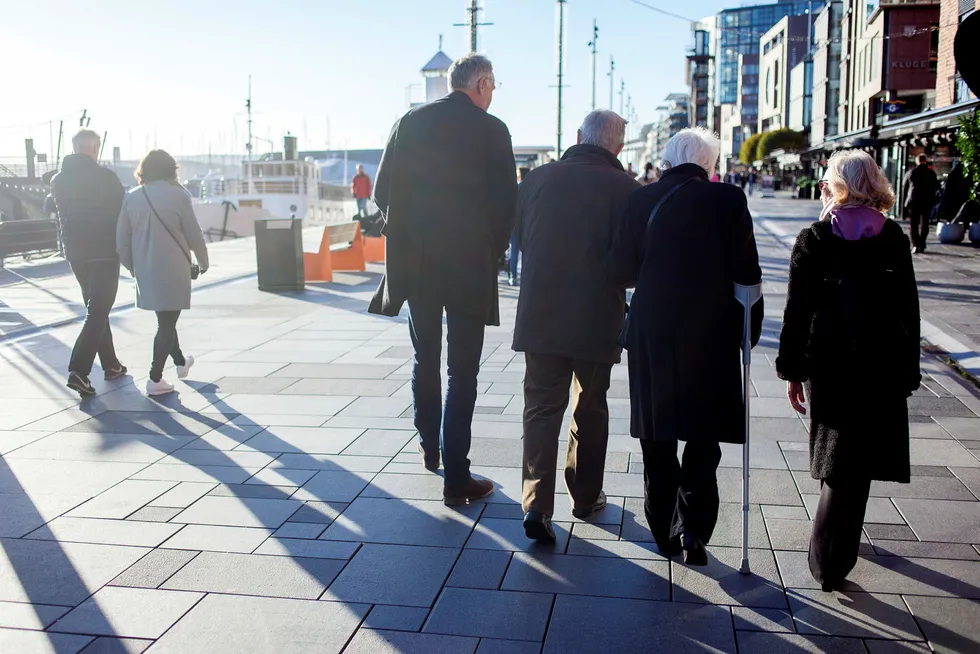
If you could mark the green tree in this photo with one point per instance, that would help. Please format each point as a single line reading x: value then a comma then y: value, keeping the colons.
x: 747, y: 153
x: 785, y: 139
x: 968, y: 143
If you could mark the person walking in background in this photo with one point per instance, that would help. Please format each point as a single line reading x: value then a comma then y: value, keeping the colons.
x: 447, y: 189
x: 752, y: 178
x: 569, y: 315
x: 851, y: 292
x: 684, y: 243
x: 157, y: 232
x: 650, y: 174
x: 87, y: 198
x: 922, y: 185
x: 630, y: 171
x: 360, y: 188
x: 514, y: 254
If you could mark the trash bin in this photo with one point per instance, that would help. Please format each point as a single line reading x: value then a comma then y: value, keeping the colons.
x: 279, y: 254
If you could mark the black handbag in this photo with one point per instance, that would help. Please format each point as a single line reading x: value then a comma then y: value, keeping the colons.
x: 195, y: 269
x: 624, y: 332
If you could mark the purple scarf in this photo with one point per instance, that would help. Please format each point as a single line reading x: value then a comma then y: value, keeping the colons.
x: 856, y: 223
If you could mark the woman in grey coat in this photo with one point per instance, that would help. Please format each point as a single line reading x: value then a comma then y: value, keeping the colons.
x: 157, y: 231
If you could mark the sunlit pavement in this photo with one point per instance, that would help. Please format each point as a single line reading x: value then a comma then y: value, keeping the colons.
x: 277, y: 503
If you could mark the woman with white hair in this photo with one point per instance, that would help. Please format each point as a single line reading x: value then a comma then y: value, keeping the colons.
x: 852, y: 294
x: 683, y: 244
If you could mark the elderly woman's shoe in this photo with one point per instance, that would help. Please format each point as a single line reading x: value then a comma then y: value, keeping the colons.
x: 695, y: 552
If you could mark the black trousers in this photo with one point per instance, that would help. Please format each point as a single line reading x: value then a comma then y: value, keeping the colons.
x: 836, y: 536
x: 680, y: 496
x: 919, y: 225
x: 99, y: 281
x: 165, y: 344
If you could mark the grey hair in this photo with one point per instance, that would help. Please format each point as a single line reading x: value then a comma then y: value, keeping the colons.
x: 692, y: 145
x: 466, y: 72
x: 84, y: 138
x: 603, y: 128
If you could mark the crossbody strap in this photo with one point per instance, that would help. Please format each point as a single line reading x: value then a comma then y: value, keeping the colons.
x: 660, y: 203
x: 182, y: 250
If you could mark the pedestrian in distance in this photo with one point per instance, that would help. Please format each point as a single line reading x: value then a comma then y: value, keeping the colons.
x: 684, y: 244
x: 922, y: 185
x: 360, y: 188
x: 448, y: 191
x: 514, y: 254
x: 852, y: 292
x: 752, y: 178
x: 630, y: 171
x: 157, y: 232
x: 87, y: 199
x: 650, y: 174
x: 569, y: 315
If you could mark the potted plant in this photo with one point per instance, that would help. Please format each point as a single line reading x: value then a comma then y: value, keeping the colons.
x: 803, y: 188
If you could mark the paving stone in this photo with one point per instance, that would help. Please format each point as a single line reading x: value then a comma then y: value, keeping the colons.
x: 768, y: 620
x: 926, y: 550
x: 929, y: 488
x: 37, y: 642
x: 595, y: 532
x: 970, y: 477
x: 853, y: 614
x: 29, y: 616
x: 385, y: 407
x: 81, y: 479
x: 408, y: 487
x: 154, y: 514
x: 244, y: 574
x: 253, y: 490
x: 490, y: 614
x: 939, y: 407
x: 728, y: 529
x: 332, y: 462
x: 327, y: 486
x: 380, y: 442
x: 318, y: 512
x: 239, y: 512
x: 21, y: 513
x: 509, y: 511
x: 149, y: 422
x: 954, y: 522
x: 153, y: 569
x: 765, y: 643
x: 928, y: 430
x: 508, y: 535
x: 598, y: 576
x: 880, y: 510
x: 184, y: 494
x: 11, y: 440
x: 254, y: 385
x: 611, y: 515
x: 376, y: 641
x: 949, y: 624
x: 479, y: 569
x: 196, y: 473
x: 314, y: 549
x: 226, y: 624
x: 208, y: 457
x: 896, y: 647
x: 496, y: 646
x: 321, y: 406
x: 941, y: 453
x: 396, y: 618
x: 105, y: 532
x: 224, y: 438
x: 128, y: 612
x: 408, y: 522
x: 614, y: 548
x: 394, y: 574
x: 789, y: 534
x: 218, y: 539
x: 964, y: 429
x: 299, y: 530
x: 302, y: 440
x: 122, y: 499
x: 720, y: 582
x: 888, y: 532
x: 622, y: 625
x: 635, y: 526
x: 930, y: 471
x: 280, y: 477
x: 765, y: 487
x: 106, y: 645
x: 777, y: 512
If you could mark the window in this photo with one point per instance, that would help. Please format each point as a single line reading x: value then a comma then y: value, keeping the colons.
x: 775, y: 85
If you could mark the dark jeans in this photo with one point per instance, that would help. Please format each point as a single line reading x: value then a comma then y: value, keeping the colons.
x: 836, y: 537
x: 919, y: 226
x: 513, y: 256
x: 465, y: 341
x: 680, y: 496
x: 99, y: 281
x: 546, y: 383
x: 165, y: 344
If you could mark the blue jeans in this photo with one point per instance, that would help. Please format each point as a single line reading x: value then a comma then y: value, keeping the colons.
x: 454, y: 423
x: 361, y: 206
x: 513, y: 256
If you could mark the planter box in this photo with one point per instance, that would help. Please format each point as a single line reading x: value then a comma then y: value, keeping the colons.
x: 950, y: 233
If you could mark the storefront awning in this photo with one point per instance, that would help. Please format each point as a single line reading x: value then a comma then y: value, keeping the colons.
x: 927, y: 121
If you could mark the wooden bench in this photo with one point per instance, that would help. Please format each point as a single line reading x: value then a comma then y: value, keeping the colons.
x: 26, y: 237
x: 341, y: 249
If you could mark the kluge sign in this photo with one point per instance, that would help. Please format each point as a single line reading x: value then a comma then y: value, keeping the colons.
x: 911, y: 56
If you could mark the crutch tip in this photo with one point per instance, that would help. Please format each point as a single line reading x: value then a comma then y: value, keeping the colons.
x: 744, y: 568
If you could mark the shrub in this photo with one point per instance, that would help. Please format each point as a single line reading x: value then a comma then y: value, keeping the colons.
x: 785, y: 139
x: 968, y: 143
x: 747, y: 153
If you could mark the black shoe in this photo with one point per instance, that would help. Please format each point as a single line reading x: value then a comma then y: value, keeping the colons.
x: 537, y: 526
x: 695, y: 553
x: 670, y: 549
x: 116, y: 373
x: 80, y: 384
x: 431, y: 463
x: 830, y: 585
x: 592, y: 509
x: 474, y: 489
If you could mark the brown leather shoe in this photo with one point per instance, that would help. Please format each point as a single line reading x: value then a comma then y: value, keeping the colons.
x: 431, y: 463
x: 474, y: 489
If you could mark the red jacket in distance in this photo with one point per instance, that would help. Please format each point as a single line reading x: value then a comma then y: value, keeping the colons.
x: 360, y: 186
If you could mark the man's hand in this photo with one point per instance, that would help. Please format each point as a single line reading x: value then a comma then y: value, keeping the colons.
x: 794, y: 391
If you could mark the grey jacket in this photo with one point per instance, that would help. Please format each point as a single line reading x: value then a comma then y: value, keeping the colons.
x: 159, y: 262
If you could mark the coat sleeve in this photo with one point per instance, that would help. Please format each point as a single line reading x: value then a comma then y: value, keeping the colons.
x: 192, y: 231
x: 747, y: 270
x: 792, y: 363
x: 910, y: 315
x: 502, y: 178
x: 124, y: 237
x: 626, y: 254
x: 519, y: 219
x: 386, y: 172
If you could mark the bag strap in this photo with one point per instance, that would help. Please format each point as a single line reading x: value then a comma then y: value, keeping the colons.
x: 661, y: 202
x: 182, y: 250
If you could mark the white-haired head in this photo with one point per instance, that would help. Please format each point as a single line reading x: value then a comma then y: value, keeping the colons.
x: 603, y: 128
x: 692, y: 145
x: 473, y: 75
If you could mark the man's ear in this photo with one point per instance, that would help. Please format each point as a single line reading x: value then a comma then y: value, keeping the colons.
x: 619, y: 149
x: 578, y: 138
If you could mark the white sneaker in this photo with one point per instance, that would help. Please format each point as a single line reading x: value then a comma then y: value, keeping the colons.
x: 161, y: 387
x: 184, y: 370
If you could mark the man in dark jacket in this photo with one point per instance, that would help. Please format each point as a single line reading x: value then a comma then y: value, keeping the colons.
x: 922, y: 186
x: 88, y: 199
x: 447, y: 187
x: 569, y: 315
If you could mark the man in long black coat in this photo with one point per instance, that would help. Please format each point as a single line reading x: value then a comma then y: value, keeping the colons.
x: 922, y: 186
x: 447, y: 186
x: 569, y: 315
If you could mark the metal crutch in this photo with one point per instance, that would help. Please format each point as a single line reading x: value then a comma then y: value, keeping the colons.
x: 747, y: 296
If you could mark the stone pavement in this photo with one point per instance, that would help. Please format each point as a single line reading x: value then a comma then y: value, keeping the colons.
x: 277, y: 504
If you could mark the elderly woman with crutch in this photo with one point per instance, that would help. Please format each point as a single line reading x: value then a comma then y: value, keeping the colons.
x: 684, y: 243
x: 850, y: 338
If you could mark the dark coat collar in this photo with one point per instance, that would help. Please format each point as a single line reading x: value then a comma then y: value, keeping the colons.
x: 684, y: 171
x: 593, y: 152
x: 459, y: 96
x: 73, y: 161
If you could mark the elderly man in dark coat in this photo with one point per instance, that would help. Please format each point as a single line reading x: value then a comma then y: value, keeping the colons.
x: 447, y: 186
x: 684, y: 334
x: 569, y: 315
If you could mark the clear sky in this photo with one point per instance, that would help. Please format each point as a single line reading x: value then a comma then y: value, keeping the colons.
x: 174, y: 73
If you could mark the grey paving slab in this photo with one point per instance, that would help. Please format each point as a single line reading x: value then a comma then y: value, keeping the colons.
x: 962, y: 428
x: 318, y: 512
x: 360, y: 387
x: 107, y: 645
x: 766, y: 487
x: 771, y: 511
x: 195, y: 473
x: 497, y: 646
x: 479, y: 569
x: 302, y: 440
x: 126, y: 448
x: 253, y: 385
x: 150, y: 422
x: 105, y: 532
x: 299, y: 530
x: 896, y: 647
x: 376, y: 641
x: 225, y: 437
x: 38, y: 642
x: 21, y: 513
x: 335, y: 371
x: 970, y: 477
x: 128, y: 612
x: 48, y: 477
x: 728, y: 529
x: 331, y: 486
x: 490, y: 614
x: 611, y: 515
x: 926, y: 550
x: 212, y: 457
x: 789, y: 534
x: 404, y: 522
x: 218, y: 539
x: 394, y: 574
x: 949, y: 624
x: 380, y: 442
x: 254, y: 490
x: 930, y: 430
x: 508, y: 535
x: 11, y: 440
x: 239, y: 512
x: 401, y: 486
x: 879, y: 510
x: 768, y: 620
x: 184, y: 494
x: 614, y: 549
x: 595, y: 532
x: 314, y: 549
x: 877, y: 532
x: 941, y: 453
x: 396, y: 618
x: 721, y: 583
x: 939, y: 407
x: 853, y: 614
x: 954, y: 522
x: 766, y: 643
x: 622, y: 625
x: 930, y: 488
x: 284, y: 477
x: 226, y: 624
x: 153, y: 569
x: 579, y: 575
x: 332, y: 462
x: 122, y: 499
x: 16, y: 615
x: 244, y: 574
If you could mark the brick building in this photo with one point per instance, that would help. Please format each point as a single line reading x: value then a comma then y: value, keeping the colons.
x: 950, y: 88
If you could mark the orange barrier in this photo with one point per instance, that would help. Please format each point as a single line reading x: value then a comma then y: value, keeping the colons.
x: 318, y: 264
x: 341, y: 249
x: 351, y: 259
x: 374, y: 249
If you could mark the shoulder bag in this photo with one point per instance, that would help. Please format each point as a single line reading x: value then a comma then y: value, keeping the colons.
x: 195, y: 269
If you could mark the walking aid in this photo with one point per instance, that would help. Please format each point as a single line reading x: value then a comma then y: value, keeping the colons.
x: 747, y: 296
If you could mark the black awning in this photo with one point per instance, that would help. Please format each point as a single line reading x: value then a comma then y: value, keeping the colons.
x: 928, y: 121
